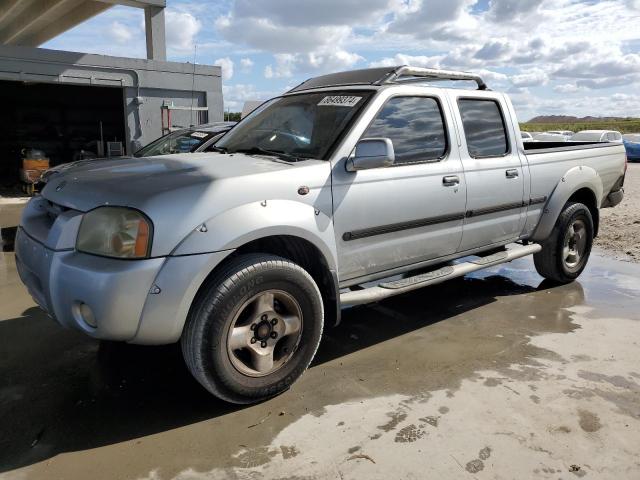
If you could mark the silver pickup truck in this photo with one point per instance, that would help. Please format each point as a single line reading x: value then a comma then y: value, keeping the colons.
x: 348, y: 189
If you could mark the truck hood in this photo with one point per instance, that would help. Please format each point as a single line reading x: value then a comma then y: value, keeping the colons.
x: 132, y: 182
x: 180, y: 192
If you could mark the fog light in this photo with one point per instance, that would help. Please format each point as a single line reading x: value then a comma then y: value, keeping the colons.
x: 83, y: 313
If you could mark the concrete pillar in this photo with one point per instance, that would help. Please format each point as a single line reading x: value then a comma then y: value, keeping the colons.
x: 154, y: 29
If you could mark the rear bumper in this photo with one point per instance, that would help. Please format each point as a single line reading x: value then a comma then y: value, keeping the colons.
x: 614, y: 198
x: 67, y: 284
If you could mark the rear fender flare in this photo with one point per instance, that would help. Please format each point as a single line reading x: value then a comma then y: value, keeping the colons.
x: 573, y: 180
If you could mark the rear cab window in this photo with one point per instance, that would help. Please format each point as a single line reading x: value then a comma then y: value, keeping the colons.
x: 484, y: 127
x: 415, y: 126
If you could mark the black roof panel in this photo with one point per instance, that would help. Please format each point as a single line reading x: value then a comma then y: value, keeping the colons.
x: 367, y: 76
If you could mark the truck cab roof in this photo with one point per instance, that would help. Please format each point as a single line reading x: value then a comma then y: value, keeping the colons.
x: 386, y: 76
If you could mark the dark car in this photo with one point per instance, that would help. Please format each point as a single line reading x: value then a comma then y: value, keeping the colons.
x: 193, y: 139
x: 632, y: 146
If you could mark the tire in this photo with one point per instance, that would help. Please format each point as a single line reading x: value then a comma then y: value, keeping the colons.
x: 554, y: 261
x: 234, y: 301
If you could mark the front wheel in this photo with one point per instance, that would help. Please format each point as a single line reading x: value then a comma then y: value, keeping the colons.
x: 565, y: 253
x: 254, y: 328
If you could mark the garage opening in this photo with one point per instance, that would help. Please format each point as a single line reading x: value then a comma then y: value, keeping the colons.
x: 61, y: 123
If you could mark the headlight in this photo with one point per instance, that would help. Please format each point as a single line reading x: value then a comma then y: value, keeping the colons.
x: 115, y: 232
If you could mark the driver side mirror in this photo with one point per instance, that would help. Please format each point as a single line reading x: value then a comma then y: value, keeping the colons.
x: 371, y: 153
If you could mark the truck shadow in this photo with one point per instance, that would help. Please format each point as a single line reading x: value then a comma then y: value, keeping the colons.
x: 62, y: 392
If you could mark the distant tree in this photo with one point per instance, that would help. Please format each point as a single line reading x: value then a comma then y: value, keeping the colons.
x: 232, y: 116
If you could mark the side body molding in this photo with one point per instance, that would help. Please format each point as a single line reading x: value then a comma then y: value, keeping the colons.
x: 573, y: 180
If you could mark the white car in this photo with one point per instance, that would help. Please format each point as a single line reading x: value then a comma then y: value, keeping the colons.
x: 526, y: 137
x: 549, y: 137
x: 610, y: 136
x: 565, y: 133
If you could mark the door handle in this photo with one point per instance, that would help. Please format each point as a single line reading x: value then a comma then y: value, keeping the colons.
x: 450, y: 181
x: 511, y: 173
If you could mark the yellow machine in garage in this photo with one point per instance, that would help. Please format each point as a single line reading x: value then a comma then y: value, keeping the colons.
x: 34, y: 163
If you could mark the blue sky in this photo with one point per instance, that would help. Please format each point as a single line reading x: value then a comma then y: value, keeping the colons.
x: 552, y: 56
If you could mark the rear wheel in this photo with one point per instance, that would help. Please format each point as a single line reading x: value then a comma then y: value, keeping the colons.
x: 565, y: 253
x: 254, y: 328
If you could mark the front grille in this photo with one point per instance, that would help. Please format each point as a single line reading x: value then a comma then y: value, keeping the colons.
x: 53, y: 210
x: 39, y: 217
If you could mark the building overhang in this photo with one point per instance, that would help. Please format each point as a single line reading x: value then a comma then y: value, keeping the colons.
x: 31, y: 23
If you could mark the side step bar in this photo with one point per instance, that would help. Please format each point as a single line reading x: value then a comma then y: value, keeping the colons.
x: 389, y: 289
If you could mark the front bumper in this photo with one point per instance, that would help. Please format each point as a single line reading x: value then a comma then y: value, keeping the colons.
x: 61, y: 281
x: 116, y: 292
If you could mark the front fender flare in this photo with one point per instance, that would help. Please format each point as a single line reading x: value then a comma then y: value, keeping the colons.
x: 243, y: 224
x: 573, y: 180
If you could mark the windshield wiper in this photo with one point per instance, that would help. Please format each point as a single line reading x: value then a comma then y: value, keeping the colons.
x: 219, y: 149
x: 273, y: 153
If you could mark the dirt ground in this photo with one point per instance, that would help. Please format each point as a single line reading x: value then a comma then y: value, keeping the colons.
x: 517, y: 378
x: 620, y: 226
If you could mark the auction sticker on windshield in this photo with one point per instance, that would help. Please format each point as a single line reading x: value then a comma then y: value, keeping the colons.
x: 339, y: 101
x: 199, y: 134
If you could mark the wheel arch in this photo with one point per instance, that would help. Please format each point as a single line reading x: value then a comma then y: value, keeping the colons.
x: 300, y: 251
x: 587, y: 197
x: 580, y: 184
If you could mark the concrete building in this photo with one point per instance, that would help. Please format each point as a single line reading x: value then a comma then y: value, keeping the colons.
x: 67, y: 104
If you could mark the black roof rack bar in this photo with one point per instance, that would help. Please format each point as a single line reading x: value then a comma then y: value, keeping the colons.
x: 418, y: 74
x: 384, y: 76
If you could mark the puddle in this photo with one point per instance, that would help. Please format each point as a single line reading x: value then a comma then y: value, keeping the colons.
x: 485, y: 360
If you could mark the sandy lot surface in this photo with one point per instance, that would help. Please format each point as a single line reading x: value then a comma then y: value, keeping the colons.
x: 620, y: 226
x: 516, y: 378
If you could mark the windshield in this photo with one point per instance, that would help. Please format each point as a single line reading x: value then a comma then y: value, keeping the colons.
x: 586, y: 137
x: 299, y: 126
x: 632, y: 137
x: 181, y: 141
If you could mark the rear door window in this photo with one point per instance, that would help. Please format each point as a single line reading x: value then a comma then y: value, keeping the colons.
x: 484, y: 127
x: 415, y: 126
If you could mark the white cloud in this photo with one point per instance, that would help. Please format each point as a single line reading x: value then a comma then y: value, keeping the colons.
x: 532, y: 78
x: 493, y: 50
x: 548, y: 54
x: 293, y: 13
x: 424, y: 61
x: 121, y: 33
x: 236, y: 95
x: 283, y: 67
x: 510, y: 10
x: 619, y: 105
x: 181, y: 30
x: 435, y: 20
x: 568, y: 88
x: 264, y: 34
x: 307, y: 39
x: 497, y: 78
x: 246, y: 64
x: 227, y: 67
x: 312, y: 63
